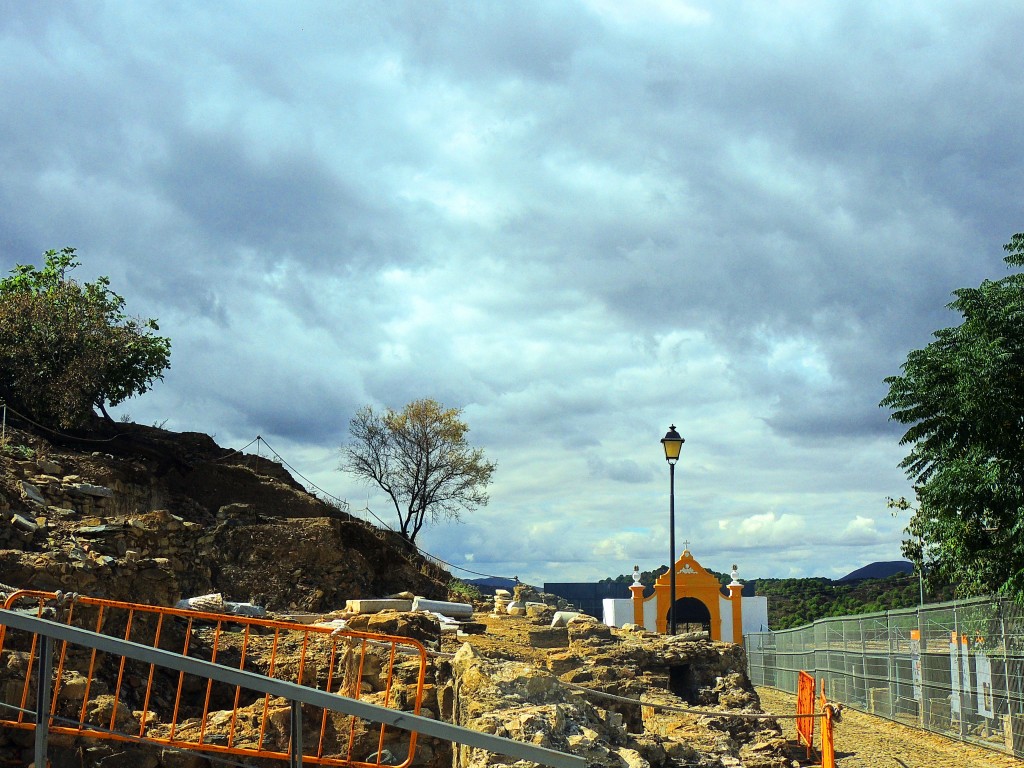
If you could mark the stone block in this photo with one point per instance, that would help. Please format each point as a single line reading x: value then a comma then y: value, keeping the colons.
x: 48, y: 467
x: 540, y: 612
x: 378, y: 605
x: 445, y: 608
x: 549, y: 637
x: 562, y: 618
x: 87, y: 489
x: 32, y: 493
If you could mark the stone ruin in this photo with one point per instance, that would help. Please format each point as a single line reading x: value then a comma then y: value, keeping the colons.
x: 608, y: 695
x: 553, y: 696
x: 187, y: 518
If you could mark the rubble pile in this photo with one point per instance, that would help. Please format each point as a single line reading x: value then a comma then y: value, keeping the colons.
x: 551, y: 693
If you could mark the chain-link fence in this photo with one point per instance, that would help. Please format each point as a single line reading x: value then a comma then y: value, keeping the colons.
x: 955, y: 668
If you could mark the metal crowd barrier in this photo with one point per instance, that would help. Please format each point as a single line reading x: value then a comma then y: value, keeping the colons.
x: 954, y: 668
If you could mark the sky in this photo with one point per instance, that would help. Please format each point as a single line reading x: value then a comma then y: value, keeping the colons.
x: 579, y: 222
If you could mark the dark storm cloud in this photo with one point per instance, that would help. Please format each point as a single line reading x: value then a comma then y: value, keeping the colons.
x: 490, y: 43
x: 287, y: 204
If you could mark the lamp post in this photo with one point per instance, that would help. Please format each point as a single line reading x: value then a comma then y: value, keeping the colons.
x: 673, y: 444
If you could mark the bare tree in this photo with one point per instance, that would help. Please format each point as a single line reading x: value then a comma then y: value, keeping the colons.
x: 420, y: 458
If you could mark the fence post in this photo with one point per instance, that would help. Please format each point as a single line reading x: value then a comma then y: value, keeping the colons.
x: 828, y: 744
x: 43, y: 700
x: 1006, y: 680
x: 956, y: 672
x: 891, y: 670
x: 295, y: 752
x: 921, y: 646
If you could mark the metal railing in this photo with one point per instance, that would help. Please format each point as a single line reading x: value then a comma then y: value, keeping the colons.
x: 30, y: 644
x: 953, y: 668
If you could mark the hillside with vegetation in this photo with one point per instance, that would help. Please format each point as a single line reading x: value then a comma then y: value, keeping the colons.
x: 793, y: 602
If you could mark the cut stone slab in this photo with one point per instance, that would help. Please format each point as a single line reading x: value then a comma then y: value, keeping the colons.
x: 87, y: 489
x: 32, y: 493
x: 562, y: 618
x: 376, y: 606
x: 23, y: 523
x: 90, y: 531
x: 455, y: 610
x: 49, y: 467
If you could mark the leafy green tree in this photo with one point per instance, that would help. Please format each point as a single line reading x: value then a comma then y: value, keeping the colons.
x: 962, y: 397
x: 68, y: 347
x: 420, y: 458
x: 647, y: 578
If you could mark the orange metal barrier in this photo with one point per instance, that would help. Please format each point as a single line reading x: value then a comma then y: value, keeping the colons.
x: 106, y: 696
x: 805, y: 706
x: 805, y: 700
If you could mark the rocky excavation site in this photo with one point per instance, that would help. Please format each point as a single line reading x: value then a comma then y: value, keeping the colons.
x: 142, y: 515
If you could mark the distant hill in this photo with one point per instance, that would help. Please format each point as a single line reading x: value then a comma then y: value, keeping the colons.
x: 880, y: 570
x: 489, y: 584
x: 793, y: 602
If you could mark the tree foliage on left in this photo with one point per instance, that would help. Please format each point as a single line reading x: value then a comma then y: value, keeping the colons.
x: 68, y: 347
x: 420, y: 458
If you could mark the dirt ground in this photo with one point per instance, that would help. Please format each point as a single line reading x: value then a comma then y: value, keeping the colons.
x: 866, y: 741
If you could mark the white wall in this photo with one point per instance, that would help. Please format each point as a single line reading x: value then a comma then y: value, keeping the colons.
x: 617, y: 611
x: 755, y: 614
x: 651, y: 615
x: 725, y: 611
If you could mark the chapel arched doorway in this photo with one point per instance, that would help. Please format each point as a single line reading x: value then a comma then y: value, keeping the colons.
x: 691, y: 616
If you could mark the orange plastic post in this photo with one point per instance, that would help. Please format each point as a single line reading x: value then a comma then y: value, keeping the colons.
x: 828, y: 745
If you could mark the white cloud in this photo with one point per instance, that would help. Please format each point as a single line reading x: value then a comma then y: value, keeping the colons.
x: 769, y: 528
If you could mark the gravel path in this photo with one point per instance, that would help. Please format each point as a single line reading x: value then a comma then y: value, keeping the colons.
x: 866, y: 741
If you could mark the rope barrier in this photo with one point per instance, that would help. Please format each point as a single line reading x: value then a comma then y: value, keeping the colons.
x: 53, y: 431
x: 343, y: 504
x: 367, y: 509
x: 233, y: 452
x: 688, y: 710
x: 661, y: 706
x: 284, y: 462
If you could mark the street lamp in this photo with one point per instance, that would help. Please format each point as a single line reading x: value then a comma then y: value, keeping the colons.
x: 673, y: 444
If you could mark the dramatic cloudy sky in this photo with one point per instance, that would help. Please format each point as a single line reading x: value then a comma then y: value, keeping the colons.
x: 580, y: 222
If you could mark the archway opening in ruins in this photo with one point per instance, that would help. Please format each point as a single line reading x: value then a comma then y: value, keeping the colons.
x: 682, y: 682
x: 691, y: 616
